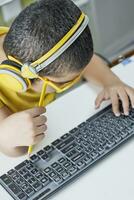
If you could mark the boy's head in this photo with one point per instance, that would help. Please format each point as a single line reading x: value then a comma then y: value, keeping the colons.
x: 39, y: 27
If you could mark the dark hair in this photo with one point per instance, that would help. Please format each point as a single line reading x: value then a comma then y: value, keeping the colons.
x: 39, y: 27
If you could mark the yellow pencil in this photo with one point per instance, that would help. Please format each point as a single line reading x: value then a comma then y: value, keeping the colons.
x: 41, y: 103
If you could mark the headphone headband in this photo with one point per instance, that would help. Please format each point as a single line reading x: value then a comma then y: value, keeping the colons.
x: 31, y: 70
x: 64, y: 47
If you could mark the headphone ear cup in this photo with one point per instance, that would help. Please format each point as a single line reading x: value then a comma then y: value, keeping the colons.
x: 13, y: 80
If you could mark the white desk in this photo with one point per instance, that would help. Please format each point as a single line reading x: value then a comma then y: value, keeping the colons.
x: 112, y: 178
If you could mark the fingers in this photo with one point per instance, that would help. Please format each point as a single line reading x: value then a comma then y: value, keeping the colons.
x: 130, y: 93
x: 34, y: 112
x: 40, y: 120
x: 38, y: 138
x: 125, y: 101
x: 40, y: 129
x: 115, y: 103
x: 99, y: 100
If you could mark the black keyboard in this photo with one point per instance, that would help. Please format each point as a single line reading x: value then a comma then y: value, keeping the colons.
x: 66, y: 158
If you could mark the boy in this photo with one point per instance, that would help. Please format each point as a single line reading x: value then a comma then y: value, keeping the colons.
x: 33, y: 33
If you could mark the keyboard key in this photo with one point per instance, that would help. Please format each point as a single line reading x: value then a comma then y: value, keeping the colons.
x: 45, y: 181
x: 60, y: 169
x: 22, y: 196
x: 73, y: 170
x: 14, y: 189
x: 80, y: 164
x: 34, y: 158
x: 11, y: 172
x: 47, y: 170
x: 24, y: 186
x: 56, y: 142
x: 52, y: 174
x: 39, y: 175
x: 65, y: 175
x: 117, y: 139
x: 21, y: 165
x: 35, y: 171
x: 37, y: 186
x: 101, y: 149
x: 55, y: 165
x: 15, y: 176
x: 22, y: 171
x: 65, y: 136
x: 29, y: 191
x: 79, y: 148
x: 67, y: 164
x: 82, y: 125
x: 49, y: 148
x: 72, y: 153
x: 65, y: 143
x: 32, y: 180
x: 58, y: 179
x: 30, y: 166
x: 62, y: 160
x: 69, y: 147
x: 6, y: 179
x: 41, y: 152
x: 87, y: 159
x: 73, y: 131
x: 94, y: 154
x: 78, y: 156
x: 44, y: 156
x: 20, y: 181
x: 27, y: 176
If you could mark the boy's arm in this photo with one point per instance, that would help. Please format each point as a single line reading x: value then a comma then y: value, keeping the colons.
x: 98, y: 72
x: 113, y: 88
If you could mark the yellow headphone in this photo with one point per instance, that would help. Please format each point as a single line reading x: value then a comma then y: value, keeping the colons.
x: 16, y: 75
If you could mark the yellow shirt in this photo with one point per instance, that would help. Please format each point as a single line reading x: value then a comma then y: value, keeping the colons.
x: 21, y: 101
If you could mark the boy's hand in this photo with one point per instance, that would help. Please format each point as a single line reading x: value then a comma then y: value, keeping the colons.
x: 23, y: 128
x: 116, y: 91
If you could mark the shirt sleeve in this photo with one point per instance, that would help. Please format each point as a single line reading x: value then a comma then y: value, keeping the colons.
x: 1, y: 104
